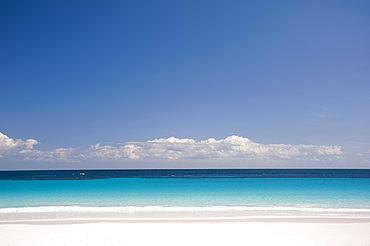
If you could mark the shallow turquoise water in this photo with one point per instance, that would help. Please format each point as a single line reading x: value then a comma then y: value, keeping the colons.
x: 196, y: 192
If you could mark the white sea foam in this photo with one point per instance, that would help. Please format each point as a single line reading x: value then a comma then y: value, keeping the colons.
x: 130, y: 209
x: 49, y: 213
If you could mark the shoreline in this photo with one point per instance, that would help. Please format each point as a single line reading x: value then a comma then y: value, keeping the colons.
x: 308, y: 220
x: 66, y: 214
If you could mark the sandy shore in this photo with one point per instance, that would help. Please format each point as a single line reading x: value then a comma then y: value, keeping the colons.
x: 285, y: 232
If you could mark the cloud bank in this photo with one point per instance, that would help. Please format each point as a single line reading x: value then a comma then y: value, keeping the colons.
x: 231, y: 148
x: 172, y: 149
x: 13, y: 146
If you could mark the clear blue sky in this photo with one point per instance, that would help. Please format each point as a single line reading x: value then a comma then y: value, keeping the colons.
x: 76, y: 73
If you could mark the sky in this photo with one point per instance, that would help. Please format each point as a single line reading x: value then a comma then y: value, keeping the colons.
x: 184, y: 84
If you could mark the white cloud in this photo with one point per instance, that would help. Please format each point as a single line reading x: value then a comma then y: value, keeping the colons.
x: 12, y: 146
x: 228, y: 149
x: 60, y: 154
x: 232, y: 148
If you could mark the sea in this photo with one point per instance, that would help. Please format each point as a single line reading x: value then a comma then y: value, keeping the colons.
x: 184, y: 194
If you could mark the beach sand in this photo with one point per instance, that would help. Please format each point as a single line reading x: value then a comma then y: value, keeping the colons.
x: 285, y: 232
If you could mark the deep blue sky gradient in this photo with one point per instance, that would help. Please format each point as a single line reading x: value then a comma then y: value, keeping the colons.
x: 74, y: 73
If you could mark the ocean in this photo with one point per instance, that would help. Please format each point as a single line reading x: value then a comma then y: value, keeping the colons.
x: 216, y: 193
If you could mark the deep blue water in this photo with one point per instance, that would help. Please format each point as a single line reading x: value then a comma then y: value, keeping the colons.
x: 199, y: 188
x: 185, y: 173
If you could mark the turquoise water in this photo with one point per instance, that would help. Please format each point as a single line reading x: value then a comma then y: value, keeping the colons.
x: 188, y: 192
x: 183, y: 194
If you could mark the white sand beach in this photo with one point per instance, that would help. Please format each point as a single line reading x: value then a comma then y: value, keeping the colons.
x: 175, y: 232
